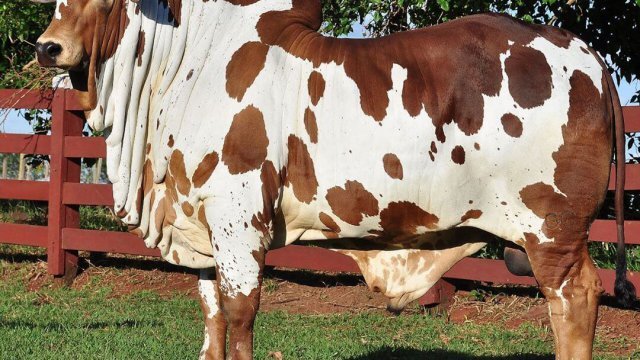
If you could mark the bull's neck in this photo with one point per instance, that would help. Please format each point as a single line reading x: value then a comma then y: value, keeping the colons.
x: 153, y: 58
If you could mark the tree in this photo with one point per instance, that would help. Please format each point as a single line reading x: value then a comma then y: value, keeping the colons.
x: 609, y: 26
x: 21, y: 23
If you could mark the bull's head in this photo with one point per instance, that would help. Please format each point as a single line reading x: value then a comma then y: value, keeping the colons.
x: 78, y: 39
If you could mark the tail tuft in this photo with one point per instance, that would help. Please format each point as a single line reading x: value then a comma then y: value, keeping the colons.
x: 623, y: 289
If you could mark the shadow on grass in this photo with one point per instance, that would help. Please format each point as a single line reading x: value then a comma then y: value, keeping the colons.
x: 19, y: 258
x: 314, y: 279
x: 410, y: 354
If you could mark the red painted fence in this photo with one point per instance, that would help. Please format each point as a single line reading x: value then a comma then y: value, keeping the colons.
x: 64, y: 192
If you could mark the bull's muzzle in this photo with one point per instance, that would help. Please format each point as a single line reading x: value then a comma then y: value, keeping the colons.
x: 47, y: 53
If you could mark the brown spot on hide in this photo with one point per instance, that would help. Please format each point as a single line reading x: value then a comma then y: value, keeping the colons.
x: 140, y: 48
x: 393, y: 166
x: 175, y: 257
x: 529, y: 76
x: 402, y: 219
x: 171, y: 141
x: 311, y: 125
x: 329, y: 223
x: 271, y: 185
x: 178, y: 171
x: 476, y: 146
x: 190, y: 75
x: 458, y: 155
x: 300, y: 170
x: 352, y: 202
x: 202, y: 217
x: 242, y: 2
x: 245, y: 146
x: 434, y: 149
x: 316, y: 87
x: 187, y: 209
x: 205, y: 169
x: 244, y: 67
x: 471, y: 214
x: 147, y: 181
x: 512, y: 125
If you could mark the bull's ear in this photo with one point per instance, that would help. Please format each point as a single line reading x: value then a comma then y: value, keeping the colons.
x: 43, y: 1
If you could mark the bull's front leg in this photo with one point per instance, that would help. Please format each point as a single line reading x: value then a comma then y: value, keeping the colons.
x: 239, y: 257
x: 215, y: 325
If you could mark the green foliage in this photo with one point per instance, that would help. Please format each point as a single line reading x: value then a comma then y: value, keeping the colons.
x: 610, y: 26
x: 35, y: 213
x: 21, y: 23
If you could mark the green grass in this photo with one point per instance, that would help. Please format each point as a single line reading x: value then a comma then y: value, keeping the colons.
x: 93, y: 323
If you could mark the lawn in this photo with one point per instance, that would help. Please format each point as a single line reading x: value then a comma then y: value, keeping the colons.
x: 91, y: 321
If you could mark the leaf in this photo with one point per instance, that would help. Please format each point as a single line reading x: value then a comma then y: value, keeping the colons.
x: 444, y: 4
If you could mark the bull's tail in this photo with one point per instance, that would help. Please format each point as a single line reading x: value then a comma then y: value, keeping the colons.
x: 624, y: 290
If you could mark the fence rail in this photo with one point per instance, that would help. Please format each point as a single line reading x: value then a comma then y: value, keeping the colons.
x: 63, y: 238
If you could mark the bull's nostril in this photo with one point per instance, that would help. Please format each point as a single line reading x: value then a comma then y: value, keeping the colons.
x: 53, y: 49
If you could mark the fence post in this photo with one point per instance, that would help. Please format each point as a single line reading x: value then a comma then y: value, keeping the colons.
x: 64, y: 123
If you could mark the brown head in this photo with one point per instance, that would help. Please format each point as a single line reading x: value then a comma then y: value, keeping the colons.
x: 82, y: 34
x: 69, y: 40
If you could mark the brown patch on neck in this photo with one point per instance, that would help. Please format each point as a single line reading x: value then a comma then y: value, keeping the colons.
x: 301, y: 173
x: 393, y: 166
x: 244, y: 67
x: 352, y: 203
x: 115, y: 27
x: 245, y: 146
x: 140, y: 48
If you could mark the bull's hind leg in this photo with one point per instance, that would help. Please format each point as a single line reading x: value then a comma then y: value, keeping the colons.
x: 215, y: 326
x: 569, y: 281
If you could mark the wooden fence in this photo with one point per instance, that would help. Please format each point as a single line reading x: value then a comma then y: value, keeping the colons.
x: 63, y: 238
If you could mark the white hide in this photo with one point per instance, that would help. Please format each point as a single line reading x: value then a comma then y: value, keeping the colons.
x: 159, y: 99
